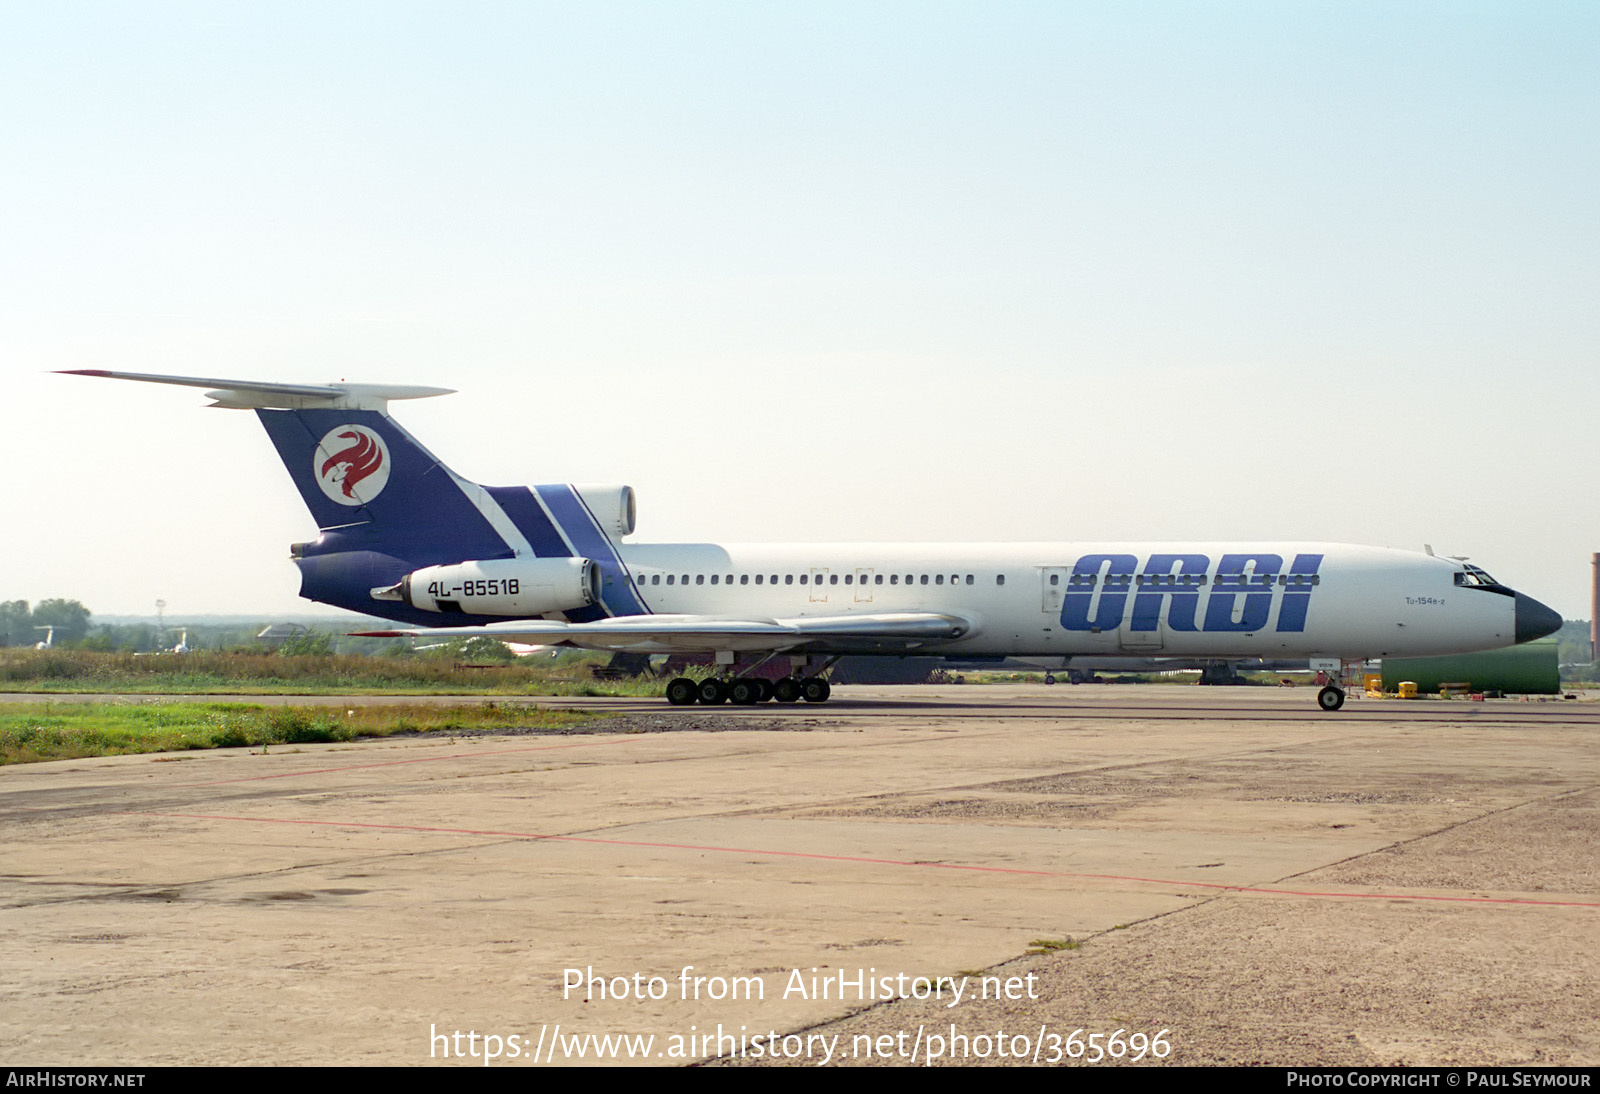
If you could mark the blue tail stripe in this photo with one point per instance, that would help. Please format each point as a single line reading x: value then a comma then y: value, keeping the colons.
x: 531, y: 520
x: 520, y: 504
x: 617, y: 592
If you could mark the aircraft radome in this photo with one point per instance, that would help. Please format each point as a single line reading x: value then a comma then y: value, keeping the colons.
x: 405, y: 538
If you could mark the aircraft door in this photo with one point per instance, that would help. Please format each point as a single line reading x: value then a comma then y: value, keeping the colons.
x: 1053, y: 585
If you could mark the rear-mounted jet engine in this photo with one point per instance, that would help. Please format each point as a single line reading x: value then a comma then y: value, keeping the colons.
x: 516, y: 587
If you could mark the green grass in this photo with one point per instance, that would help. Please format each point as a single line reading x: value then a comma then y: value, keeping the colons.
x: 57, y: 731
x: 263, y: 673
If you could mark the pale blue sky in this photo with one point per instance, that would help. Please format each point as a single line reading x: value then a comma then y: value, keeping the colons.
x: 820, y: 271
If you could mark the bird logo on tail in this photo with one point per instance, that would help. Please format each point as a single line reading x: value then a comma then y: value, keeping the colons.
x: 351, y: 456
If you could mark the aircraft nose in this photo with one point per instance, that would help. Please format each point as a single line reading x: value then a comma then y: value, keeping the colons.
x: 1534, y: 620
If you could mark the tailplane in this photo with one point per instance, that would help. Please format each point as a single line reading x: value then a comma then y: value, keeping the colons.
x: 358, y: 471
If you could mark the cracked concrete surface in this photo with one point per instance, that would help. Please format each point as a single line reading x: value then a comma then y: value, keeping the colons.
x: 1397, y: 883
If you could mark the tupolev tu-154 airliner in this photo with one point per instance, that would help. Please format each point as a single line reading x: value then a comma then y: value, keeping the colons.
x: 405, y: 538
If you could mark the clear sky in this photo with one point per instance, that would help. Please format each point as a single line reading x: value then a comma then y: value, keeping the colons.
x: 817, y: 271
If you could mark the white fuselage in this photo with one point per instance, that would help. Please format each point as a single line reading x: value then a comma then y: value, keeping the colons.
x: 405, y: 537
x: 1155, y: 599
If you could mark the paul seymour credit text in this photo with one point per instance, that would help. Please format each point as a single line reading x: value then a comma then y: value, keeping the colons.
x: 926, y: 1043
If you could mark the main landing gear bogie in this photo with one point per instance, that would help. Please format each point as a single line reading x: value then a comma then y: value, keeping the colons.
x: 747, y: 690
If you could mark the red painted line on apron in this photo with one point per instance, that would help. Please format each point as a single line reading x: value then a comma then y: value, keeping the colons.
x: 413, y: 760
x: 870, y: 861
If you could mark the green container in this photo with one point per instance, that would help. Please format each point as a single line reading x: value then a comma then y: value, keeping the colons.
x: 1532, y: 668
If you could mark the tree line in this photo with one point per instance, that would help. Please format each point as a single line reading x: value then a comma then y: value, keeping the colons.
x: 69, y: 625
x: 22, y: 626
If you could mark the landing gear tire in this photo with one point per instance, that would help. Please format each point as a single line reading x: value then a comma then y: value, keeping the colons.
x: 1049, y: 678
x: 766, y: 689
x: 713, y: 692
x: 744, y: 692
x: 682, y: 692
x: 814, y: 689
x: 1330, y: 698
x: 786, y: 690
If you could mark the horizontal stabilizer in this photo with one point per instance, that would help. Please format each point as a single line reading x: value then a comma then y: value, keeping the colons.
x: 257, y: 394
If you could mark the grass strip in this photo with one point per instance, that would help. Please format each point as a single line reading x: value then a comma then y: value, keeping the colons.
x: 30, y: 732
x: 259, y: 672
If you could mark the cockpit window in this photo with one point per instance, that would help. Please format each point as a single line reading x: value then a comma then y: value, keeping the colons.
x: 1472, y: 576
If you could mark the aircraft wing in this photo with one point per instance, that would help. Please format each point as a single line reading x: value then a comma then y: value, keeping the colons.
x: 887, y: 632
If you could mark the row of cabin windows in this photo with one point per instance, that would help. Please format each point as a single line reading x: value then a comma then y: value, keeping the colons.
x: 1193, y: 581
x: 803, y: 579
